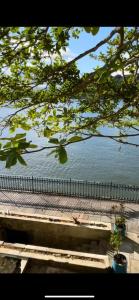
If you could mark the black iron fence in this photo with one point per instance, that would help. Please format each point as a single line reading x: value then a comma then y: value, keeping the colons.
x: 73, y: 188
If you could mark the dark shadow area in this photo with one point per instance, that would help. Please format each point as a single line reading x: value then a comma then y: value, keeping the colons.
x: 109, y: 270
x: 41, y: 266
x: 16, y: 236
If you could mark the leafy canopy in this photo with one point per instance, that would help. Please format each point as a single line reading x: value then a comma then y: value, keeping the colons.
x: 47, y: 93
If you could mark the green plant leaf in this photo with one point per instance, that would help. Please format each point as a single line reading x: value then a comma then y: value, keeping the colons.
x: 94, y: 30
x: 62, y: 141
x: 62, y: 155
x: 5, y: 139
x: 7, y: 145
x: 12, y: 129
x: 87, y: 29
x: 32, y: 146
x: 21, y: 160
x: 47, y: 132
x: 75, y: 139
x: 54, y: 141
x: 20, y: 135
x: 25, y: 126
x: 65, y: 111
x: 2, y: 158
x: 23, y: 145
x: 11, y: 159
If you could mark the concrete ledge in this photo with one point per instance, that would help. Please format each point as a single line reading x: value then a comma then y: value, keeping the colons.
x: 52, y: 232
x: 134, y: 266
x: 49, y: 219
x: 75, y: 259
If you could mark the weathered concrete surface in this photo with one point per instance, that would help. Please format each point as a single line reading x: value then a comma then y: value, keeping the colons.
x: 77, y: 261
x: 8, y: 264
x: 134, y: 268
x: 56, y: 233
x: 62, y: 204
x: 42, y: 267
x: 89, y: 209
x: 99, y: 211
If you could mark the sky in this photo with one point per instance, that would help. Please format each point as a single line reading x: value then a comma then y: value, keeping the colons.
x: 86, y: 41
x: 78, y: 46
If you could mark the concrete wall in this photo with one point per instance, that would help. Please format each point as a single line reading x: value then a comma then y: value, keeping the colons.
x: 52, y: 234
x: 40, y: 266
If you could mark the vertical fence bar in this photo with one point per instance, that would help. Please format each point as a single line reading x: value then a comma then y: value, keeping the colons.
x: 70, y: 187
x: 32, y: 185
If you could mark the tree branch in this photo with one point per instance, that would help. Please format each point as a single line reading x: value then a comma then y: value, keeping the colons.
x: 92, y: 122
x: 93, y: 49
x: 123, y: 142
x: 135, y: 128
x: 87, y: 138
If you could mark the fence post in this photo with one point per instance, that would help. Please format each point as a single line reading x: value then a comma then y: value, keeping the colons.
x: 111, y: 189
x: 32, y: 185
x: 86, y: 190
x: 70, y: 186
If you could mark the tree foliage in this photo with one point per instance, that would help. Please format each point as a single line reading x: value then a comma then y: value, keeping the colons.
x: 47, y: 93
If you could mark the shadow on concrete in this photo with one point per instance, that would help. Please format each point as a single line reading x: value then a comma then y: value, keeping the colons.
x: 129, y: 246
x: 78, y: 207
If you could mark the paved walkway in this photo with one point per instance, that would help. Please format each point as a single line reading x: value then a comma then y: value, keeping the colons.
x: 68, y: 206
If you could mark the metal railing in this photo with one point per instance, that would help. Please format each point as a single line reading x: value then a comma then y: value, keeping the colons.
x: 71, y: 188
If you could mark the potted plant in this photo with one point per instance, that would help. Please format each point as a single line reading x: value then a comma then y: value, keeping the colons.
x: 119, y: 226
x: 119, y: 263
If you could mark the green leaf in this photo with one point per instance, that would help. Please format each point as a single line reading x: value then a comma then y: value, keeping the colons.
x: 62, y: 141
x: 94, y: 30
x: 62, y: 155
x: 75, y: 139
x: 7, y: 145
x: 15, y: 144
x: 59, y: 116
x: 5, y: 139
x: 47, y: 132
x: 11, y: 159
x: 54, y: 141
x: 65, y: 111
x: 25, y: 126
x: 87, y: 29
x: 12, y: 129
x: 23, y: 145
x: 2, y: 158
x: 20, y: 135
x: 54, y: 112
x: 32, y: 146
x: 21, y: 160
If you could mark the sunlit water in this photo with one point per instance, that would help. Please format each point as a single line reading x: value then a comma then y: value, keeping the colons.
x: 98, y: 159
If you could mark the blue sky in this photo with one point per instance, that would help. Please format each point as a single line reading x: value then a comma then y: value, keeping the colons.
x: 85, y: 42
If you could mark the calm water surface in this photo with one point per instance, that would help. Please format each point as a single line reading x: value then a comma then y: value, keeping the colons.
x: 98, y: 159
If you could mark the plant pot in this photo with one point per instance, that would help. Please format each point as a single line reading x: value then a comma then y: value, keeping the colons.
x: 120, y: 229
x: 119, y: 263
